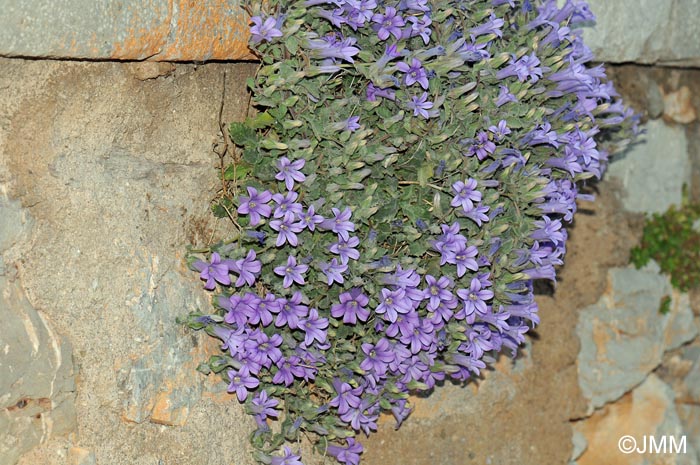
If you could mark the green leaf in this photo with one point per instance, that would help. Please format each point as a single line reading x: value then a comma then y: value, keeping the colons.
x: 236, y: 172
x: 242, y: 135
x: 425, y: 172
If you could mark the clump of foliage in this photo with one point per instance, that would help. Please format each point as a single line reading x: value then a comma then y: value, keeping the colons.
x: 672, y: 239
x: 407, y: 176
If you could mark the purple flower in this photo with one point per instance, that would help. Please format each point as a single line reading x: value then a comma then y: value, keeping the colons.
x: 373, y: 92
x: 504, y: 96
x: 388, y: 23
x: 351, y: 124
x: 264, y: 30
x: 543, y: 134
x: 420, y: 105
x: 287, y: 459
x: 340, y: 223
x: 438, y: 291
x: 549, y: 230
x: 238, y: 310
x: 478, y: 214
x: 288, y: 369
x: 332, y: 46
x: 464, y: 259
x: 334, y: 271
x: 286, y: 204
x: 363, y: 418
x: 287, y: 229
x: 421, y: 338
x: 378, y: 356
x: 474, y: 300
x: 352, y: 306
x: 392, y: 303
x: 347, y: 397
x: 291, y: 310
x: 492, y: 26
x: 262, y: 312
x: 526, y: 67
x: 482, y: 147
x: 500, y: 131
x: 292, y: 272
x: 262, y: 349
x: 442, y: 313
x: 233, y: 339
x: 310, y: 219
x: 346, y: 249
x: 420, y: 27
x: 255, y: 205
x: 263, y: 407
x: 414, y: 73
x: 241, y: 381
x: 466, y: 194
x: 216, y: 271
x: 289, y: 171
x: 349, y: 455
x: 404, y: 324
x: 313, y: 327
x: 247, y: 268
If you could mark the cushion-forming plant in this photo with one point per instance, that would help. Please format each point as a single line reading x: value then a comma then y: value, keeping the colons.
x: 406, y: 177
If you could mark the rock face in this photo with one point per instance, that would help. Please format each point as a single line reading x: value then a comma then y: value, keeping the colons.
x: 116, y: 173
x: 653, y: 183
x: 648, y: 411
x: 125, y: 30
x: 649, y: 31
x: 624, y: 337
x: 37, y: 383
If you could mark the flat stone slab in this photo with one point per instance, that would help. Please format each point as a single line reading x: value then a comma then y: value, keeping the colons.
x: 653, y: 170
x: 663, y: 32
x: 159, y: 30
x: 623, y: 336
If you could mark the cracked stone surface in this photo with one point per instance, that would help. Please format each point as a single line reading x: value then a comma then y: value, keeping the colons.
x: 116, y: 174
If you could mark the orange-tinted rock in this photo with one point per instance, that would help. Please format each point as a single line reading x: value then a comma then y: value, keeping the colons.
x: 678, y: 106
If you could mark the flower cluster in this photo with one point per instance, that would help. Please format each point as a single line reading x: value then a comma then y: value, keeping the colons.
x: 408, y: 175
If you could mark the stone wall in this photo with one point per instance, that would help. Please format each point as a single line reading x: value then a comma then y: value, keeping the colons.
x: 638, y: 369
x: 104, y: 179
x: 106, y: 172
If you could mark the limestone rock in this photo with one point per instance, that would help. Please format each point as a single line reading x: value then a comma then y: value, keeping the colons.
x: 645, y: 31
x: 648, y: 411
x: 623, y: 336
x: 653, y: 171
x: 678, y: 106
x: 80, y: 456
x: 37, y: 384
x: 118, y: 178
x: 145, y: 70
x: 689, y: 415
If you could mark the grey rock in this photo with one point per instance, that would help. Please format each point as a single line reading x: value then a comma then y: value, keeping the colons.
x: 661, y: 32
x: 37, y: 382
x: 161, y: 385
x: 653, y: 171
x: 647, y: 412
x: 692, y: 379
x: 623, y: 336
x: 689, y: 415
x: 580, y: 445
x: 15, y: 222
x: 118, y: 179
x: 128, y: 30
x: 655, y: 98
x: 671, y: 425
